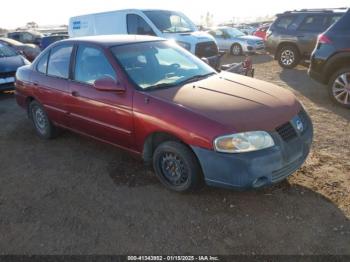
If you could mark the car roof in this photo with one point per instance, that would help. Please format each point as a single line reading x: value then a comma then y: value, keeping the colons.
x: 315, y: 11
x: 113, y: 40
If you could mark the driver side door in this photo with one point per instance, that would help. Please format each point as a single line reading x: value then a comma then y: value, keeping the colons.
x: 104, y: 115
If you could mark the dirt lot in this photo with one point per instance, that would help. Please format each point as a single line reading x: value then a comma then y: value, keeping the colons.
x: 73, y: 195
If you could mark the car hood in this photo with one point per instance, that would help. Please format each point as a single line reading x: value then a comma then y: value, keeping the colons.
x: 190, y: 37
x: 9, y: 64
x: 250, y: 37
x: 237, y: 102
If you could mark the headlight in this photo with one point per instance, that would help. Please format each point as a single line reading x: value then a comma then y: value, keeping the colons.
x: 185, y: 45
x: 243, y: 142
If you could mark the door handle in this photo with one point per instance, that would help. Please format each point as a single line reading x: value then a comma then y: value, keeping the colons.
x: 75, y: 93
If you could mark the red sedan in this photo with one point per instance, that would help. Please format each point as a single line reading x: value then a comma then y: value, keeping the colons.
x: 156, y: 100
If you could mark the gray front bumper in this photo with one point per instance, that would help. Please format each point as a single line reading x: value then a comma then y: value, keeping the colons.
x: 259, y: 168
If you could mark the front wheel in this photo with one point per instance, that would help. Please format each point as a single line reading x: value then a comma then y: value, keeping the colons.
x: 43, y: 126
x: 236, y: 50
x: 339, y: 87
x: 177, y: 167
x: 288, y: 57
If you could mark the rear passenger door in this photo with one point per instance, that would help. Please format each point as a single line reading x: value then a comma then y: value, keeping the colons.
x: 307, y: 32
x: 50, y: 81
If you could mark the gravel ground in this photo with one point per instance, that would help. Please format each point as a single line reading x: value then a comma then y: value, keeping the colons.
x: 73, y: 195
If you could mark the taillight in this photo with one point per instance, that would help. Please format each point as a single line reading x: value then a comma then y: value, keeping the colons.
x: 323, y: 39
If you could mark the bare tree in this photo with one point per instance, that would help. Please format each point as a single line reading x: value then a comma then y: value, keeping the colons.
x: 32, y: 25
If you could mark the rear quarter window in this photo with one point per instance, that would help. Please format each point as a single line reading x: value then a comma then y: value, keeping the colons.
x: 59, y: 61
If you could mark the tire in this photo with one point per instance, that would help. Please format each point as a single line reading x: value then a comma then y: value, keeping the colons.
x: 339, y: 87
x: 177, y: 167
x: 288, y: 56
x: 42, y: 124
x: 236, y: 50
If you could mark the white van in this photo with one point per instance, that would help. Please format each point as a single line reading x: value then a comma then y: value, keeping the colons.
x: 161, y: 23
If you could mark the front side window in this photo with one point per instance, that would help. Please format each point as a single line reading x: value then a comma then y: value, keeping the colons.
x: 314, y: 23
x: 91, y: 64
x: 42, y: 64
x: 284, y: 22
x: 170, y: 22
x: 138, y: 26
x: 233, y: 32
x: 59, y: 61
x: 160, y: 64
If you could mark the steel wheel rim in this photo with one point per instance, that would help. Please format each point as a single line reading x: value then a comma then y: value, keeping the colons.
x: 341, y: 89
x: 236, y: 50
x: 173, y: 169
x: 40, y: 119
x: 287, y: 57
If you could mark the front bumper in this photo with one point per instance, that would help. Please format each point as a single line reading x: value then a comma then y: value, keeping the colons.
x: 259, y: 168
x: 253, y: 48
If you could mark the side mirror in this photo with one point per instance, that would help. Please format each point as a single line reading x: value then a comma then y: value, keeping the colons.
x: 107, y: 83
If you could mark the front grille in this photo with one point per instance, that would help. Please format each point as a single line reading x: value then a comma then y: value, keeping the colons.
x: 260, y: 43
x: 286, y: 131
x: 206, y: 49
x: 7, y: 74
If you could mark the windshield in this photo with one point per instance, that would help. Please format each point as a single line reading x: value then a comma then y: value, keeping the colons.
x: 233, y: 32
x: 154, y: 65
x: 6, y: 51
x: 170, y: 22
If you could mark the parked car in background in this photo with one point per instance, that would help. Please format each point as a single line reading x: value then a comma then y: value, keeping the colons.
x: 27, y: 37
x: 48, y: 40
x: 158, y: 101
x: 162, y: 23
x: 10, y: 60
x: 29, y: 51
x: 246, y: 29
x: 234, y: 41
x: 330, y: 61
x: 261, y: 31
x: 293, y: 35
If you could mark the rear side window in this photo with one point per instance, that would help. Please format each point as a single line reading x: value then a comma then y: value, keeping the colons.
x: 343, y: 24
x: 42, y: 64
x: 91, y: 64
x: 138, y: 26
x: 314, y: 23
x: 284, y: 22
x: 334, y: 18
x: 59, y: 61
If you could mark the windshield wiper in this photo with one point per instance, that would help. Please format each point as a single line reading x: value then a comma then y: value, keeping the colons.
x: 196, y: 78
x: 160, y: 86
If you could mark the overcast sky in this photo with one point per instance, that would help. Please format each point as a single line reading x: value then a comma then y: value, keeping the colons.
x: 15, y: 13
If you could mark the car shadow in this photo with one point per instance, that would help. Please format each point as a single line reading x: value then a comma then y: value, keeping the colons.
x: 299, y: 80
x: 256, y: 58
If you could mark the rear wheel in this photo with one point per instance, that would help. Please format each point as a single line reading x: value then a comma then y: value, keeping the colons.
x: 236, y: 50
x: 43, y: 126
x: 339, y: 87
x: 177, y: 167
x: 288, y: 56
